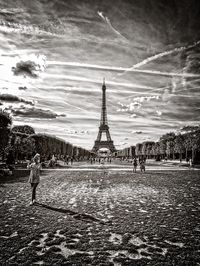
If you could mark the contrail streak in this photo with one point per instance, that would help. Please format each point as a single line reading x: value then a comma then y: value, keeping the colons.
x: 10, y: 27
x: 157, y: 56
x: 119, y: 69
x: 158, y: 90
x: 76, y: 107
x: 152, y: 91
x: 95, y: 81
x: 107, y: 21
x: 9, y: 81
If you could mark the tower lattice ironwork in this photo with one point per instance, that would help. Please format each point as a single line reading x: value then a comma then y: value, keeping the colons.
x: 103, y: 128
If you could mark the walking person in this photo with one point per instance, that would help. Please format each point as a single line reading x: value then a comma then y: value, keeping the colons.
x: 190, y: 163
x: 142, y: 166
x: 34, y: 177
x: 67, y: 159
x: 53, y: 160
x: 135, y: 165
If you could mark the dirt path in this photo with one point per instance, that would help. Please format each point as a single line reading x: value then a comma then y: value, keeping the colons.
x: 102, y: 218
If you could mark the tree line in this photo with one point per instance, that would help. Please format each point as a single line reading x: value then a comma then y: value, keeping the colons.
x: 24, y: 142
x: 183, y: 145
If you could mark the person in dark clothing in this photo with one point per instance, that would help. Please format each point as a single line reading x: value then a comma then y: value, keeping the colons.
x: 67, y: 159
x: 10, y: 161
x: 142, y: 166
x: 135, y: 165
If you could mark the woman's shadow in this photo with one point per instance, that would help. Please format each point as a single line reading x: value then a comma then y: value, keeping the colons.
x: 76, y: 215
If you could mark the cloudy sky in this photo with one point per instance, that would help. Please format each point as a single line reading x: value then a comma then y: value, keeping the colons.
x: 54, y: 55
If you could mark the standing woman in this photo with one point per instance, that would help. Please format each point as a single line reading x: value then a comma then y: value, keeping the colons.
x: 34, y: 178
x: 134, y: 165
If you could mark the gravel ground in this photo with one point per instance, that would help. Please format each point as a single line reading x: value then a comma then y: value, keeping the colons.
x: 102, y: 218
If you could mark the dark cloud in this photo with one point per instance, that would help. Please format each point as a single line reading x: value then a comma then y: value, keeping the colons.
x: 23, y: 88
x: 30, y: 67
x: 13, y: 98
x: 25, y: 68
x: 61, y: 115
x: 35, y: 113
x: 138, y: 132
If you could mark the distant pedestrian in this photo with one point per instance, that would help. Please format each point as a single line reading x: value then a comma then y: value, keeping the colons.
x: 67, y: 159
x: 72, y: 160
x: 10, y: 161
x: 53, y: 160
x: 190, y: 163
x: 34, y: 177
x: 102, y: 161
x: 135, y: 165
x: 142, y: 166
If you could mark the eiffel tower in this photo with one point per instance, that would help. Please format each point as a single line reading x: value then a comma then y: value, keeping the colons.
x: 103, y: 128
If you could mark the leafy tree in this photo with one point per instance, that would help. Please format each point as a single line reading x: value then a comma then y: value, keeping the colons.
x: 138, y: 149
x: 186, y: 144
x: 179, y: 145
x: 188, y: 129
x: 48, y: 145
x: 156, y: 150
x: 164, y: 147
x: 144, y: 148
x: 5, y: 123
x: 170, y: 149
x: 194, y: 141
x: 23, y: 147
x: 24, y: 129
x: 17, y: 143
x: 148, y: 145
x: 132, y: 148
